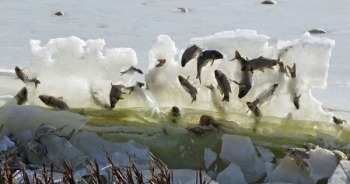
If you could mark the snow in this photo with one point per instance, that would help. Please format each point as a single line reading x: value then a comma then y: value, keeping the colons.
x: 240, y: 150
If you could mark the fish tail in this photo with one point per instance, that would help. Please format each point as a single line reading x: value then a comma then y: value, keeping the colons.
x: 36, y: 83
x: 226, y: 98
x: 199, y: 77
x: 194, y: 99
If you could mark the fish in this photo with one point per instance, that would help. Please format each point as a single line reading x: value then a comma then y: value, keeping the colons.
x: 137, y: 84
x: 175, y: 111
x: 309, y: 146
x: 260, y: 63
x: 132, y: 69
x: 190, y: 53
x: 24, y: 77
x: 46, y: 129
x: 282, y: 68
x: 188, y: 87
x: 292, y: 71
x: 22, y: 96
x: 37, y: 148
x: 54, y: 102
x: 338, y: 121
x: 224, y: 84
x: 253, y: 106
x: 161, y: 62
x: 204, y: 58
x: 245, y: 83
x: 339, y: 155
x: 115, y: 94
x: 267, y: 94
x: 296, y: 100
x: 208, y: 121
x: 298, y: 155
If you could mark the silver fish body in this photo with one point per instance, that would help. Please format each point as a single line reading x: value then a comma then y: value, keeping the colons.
x: 245, y: 84
x: 253, y: 106
x: 190, y: 53
x: 188, y: 87
x: 46, y: 129
x: 224, y: 84
x: 259, y: 64
x: 24, y: 77
x: 115, y: 94
x: 37, y: 148
x: 22, y: 96
x: 296, y: 101
x: 132, y: 70
x: 204, y: 59
x: 54, y: 102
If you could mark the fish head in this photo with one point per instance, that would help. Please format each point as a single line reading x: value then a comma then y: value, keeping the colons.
x: 175, y: 111
x: 184, y: 60
x: 17, y: 69
x: 243, y: 90
x: 289, y: 151
x: 44, y: 98
x: 182, y: 80
x: 218, y: 74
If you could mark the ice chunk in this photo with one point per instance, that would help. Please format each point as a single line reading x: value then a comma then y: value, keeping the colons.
x: 322, y: 163
x: 18, y: 118
x: 240, y: 150
x: 92, y: 145
x: 288, y: 171
x: 266, y: 154
x: 59, y: 148
x: 231, y: 174
x: 269, y: 167
x: 209, y: 157
x: 341, y: 173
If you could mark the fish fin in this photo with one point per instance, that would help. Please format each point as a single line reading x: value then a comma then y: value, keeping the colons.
x: 120, y: 98
x: 261, y: 69
x: 194, y: 99
x: 187, y: 78
x: 271, y: 67
x: 60, y: 97
x: 212, y: 63
x: 211, y: 87
x: 234, y: 81
x: 233, y: 59
x: 246, y: 58
x: 122, y: 73
x: 226, y: 98
x: 199, y: 77
x: 260, y: 57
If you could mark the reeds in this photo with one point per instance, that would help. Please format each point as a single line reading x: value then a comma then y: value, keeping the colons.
x: 129, y: 174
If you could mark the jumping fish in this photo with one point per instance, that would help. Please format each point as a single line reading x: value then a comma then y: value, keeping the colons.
x: 253, y: 106
x: 267, y: 94
x: 132, y: 69
x: 188, y: 87
x: 175, y: 111
x: 137, y: 84
x: 298, y: 155
x: 245, y: 83
x: 190, y: 53
x: 204, y: 58
x: 115, y: 94
x: 24, y: 77
x: 161, y: 62
x: 296, y: 100
x: 224, y: 84
x: 54, y: 102
x: 22, y: 96
x: 259, y: 64
x: 338, y: 121
x: 292, y: 70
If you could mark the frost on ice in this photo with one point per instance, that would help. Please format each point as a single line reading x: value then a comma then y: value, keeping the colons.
x: 82, y: 72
